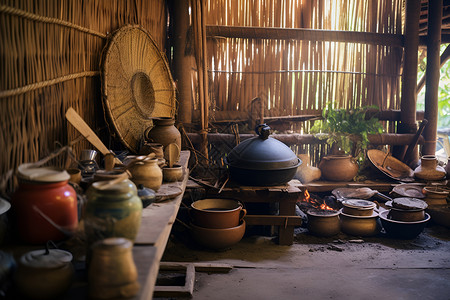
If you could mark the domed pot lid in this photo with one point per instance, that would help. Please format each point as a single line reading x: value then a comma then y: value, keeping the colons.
x: 358, y: 204
x: 46, y: 258
x: 262, y: 153
x: 30, y: 172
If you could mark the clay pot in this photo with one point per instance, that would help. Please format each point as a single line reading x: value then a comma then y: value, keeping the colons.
x: 305, y: 172
x: 217, y: 213
x: 323, y: 222
x: 429, y: 169
x: 156, y: 148
x: 146, y: 171
x: 44, y: 205
x: 218, y: 238
x: 359, y: 225
x: 358, y: 207
x: 75, y: 175
x: 435, y: 195
x: 406, y: 215
x: 172, y: 174
x: 44, y: 274
x: 164, y: 132
x: 338, y: 167
x: 112, y: 273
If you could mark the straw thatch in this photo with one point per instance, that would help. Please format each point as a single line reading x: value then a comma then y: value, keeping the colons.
x: 50, y: 61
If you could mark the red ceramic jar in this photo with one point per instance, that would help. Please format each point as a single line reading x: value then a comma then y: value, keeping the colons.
x: 43, y: 197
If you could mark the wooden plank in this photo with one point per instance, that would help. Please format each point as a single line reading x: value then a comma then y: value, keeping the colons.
x: 199, y: 267
x: 273, y: 220
x: 328, y: 186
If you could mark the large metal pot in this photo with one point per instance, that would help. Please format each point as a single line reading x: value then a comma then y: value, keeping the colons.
x: 262, y: 160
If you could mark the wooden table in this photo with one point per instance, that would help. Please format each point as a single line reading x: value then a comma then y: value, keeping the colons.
x: 286, y: 196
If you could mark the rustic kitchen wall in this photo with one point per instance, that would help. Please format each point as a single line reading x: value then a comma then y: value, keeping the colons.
x: 50, y: 54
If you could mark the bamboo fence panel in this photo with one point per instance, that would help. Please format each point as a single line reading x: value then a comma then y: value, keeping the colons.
x: 301, y: 76
x: 50, y: 61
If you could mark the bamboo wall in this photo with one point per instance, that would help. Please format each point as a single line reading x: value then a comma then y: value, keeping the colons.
x: 50, y: 60
x: 295, y: 77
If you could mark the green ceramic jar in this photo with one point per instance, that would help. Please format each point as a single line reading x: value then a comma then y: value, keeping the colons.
x: 112, y: 211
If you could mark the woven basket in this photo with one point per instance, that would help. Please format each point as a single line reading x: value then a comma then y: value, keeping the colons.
x: 137, y: 85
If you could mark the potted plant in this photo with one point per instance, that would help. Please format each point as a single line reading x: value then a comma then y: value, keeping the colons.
x: 346, y: 131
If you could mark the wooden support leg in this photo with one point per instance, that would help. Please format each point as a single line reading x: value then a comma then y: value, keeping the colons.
x: 285, y: 231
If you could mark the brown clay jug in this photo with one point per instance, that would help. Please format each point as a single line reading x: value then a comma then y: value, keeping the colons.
x: 163, y: 132
x: 429, y: 169
x: 338, y: 167
x: 146, y: 171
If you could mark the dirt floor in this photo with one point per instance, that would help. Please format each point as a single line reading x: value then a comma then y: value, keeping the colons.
x: 341, y: 267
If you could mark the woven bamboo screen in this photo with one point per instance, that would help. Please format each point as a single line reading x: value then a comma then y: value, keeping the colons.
x: 50, y: 61
x: 295, y: 77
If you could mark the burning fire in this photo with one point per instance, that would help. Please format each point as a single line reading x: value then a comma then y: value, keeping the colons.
x: 316, y: 203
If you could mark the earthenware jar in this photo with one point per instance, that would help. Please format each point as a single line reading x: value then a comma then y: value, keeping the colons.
x: 112, y: 273
x: 305, y: 172
x: 44, y: 206
x: 360, y: 225
x: 164, y: 132
x: 323, y: 222
x: 112, y: 211
x: 338, y: 167
x: 172, y: 174
x: 44, y: 274
x: 156, y: 148
x: 146, y: 171
x: 429, y: 169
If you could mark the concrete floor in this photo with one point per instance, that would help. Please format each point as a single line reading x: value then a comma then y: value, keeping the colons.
x: 323, y: 268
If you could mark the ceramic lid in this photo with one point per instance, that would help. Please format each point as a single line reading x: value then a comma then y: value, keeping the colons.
x: 409, y: 203
x: 48, y: 259
x: 111, y: 187
x: 42, y: 174
x: 358, y: 203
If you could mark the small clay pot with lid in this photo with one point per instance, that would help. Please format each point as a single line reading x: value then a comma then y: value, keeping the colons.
x: 407, y: 209
x: 44, y: 274
x: 323, y: 222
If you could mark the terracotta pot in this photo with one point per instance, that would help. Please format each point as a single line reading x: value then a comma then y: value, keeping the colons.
x: 156, y: 148
x: 44, y: 274
x: 338, y: 167
x: 323, y: 222
x: 359, y: 225
x: 146, y: 172
x: 44, y: 205
x: 429, y: 169
x: 217, y: 213
x: 218, y: 238
x: 164, y: 132
x: 406, y: 215
x: 172, y: 174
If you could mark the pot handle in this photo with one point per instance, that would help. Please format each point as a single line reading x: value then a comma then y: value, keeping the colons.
x: 263, y: 131
x: 242, y: 214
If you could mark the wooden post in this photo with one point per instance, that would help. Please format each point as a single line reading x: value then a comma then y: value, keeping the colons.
x: 182, y: 58
x: 432, y: 75
x: 409, y: 78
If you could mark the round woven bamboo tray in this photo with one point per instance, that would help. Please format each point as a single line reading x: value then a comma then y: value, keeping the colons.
x: 137, y: 85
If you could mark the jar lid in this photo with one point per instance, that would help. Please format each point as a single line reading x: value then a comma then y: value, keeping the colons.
x: 358, y: 204
x: 4, y: 206
x: 46, y: 258
x: 110, y: 187
x: 42, y: 174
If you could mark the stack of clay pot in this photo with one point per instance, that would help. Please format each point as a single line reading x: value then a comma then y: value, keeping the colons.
x: 359, y: 218
x: 217, y: 223
x: 406, y: 218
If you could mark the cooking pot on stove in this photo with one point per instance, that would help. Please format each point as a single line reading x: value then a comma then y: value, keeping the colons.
x: 262, y: 160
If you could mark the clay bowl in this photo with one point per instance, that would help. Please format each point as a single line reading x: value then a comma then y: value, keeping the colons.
x: 358, y: 207
x: 406, y: 215
x: 403, y: 230
x: 75, y: 175
x: 218, y: 239
x: 323, y: 222
x: 359, y: 225
x: 217, y: 213
x: 172, y: 174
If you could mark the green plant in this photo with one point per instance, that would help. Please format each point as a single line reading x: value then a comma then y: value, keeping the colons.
x: 347, y: 130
